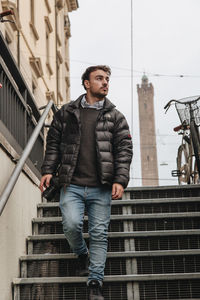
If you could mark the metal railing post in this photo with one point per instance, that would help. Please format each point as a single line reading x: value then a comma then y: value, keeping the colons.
x: 11, y: 183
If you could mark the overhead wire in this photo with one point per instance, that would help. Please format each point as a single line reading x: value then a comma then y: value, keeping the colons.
x: 148, y: 73
x: 132, y: 89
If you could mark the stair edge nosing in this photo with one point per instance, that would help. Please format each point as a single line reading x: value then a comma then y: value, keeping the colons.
x: 134, y: 277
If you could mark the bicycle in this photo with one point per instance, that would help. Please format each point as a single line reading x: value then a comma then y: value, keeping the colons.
x: 188, y: 156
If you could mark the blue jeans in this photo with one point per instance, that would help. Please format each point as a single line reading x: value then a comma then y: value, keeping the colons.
x: 97, y: 201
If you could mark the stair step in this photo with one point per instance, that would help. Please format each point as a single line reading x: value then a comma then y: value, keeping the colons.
x: 135, y: 201
x: 115, y: 265
x: 116, y: 278
x: 164, y: 191
x: 120, y: 223
x: 128, y: 217
x: 118, y: 242
x: 68, y: 291
x: 183, y: 289
x: 132, y: 234
x: 128, y: 254
x: 133, y: 207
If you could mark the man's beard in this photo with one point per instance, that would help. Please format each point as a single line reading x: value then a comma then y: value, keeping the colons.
x: 100, y: 96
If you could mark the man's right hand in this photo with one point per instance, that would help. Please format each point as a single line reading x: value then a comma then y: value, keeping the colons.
x: 45, y: 181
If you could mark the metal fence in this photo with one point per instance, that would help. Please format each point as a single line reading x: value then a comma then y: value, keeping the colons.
x: 18, y: 111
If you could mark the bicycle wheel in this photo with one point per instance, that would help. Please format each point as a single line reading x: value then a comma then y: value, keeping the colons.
x: 196, y: 143
x: 195, y: 174
x: 183, y: 165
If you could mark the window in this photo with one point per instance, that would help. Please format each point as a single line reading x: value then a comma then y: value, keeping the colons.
x: 8, y: 37
x: 32, y: 12
x: 34, y: 87
x: 32, y: 19
x: 36, y: 65
x: 60, y: 94
x: 49, y: 29
x: 48, y: 6
x: 67, y: 26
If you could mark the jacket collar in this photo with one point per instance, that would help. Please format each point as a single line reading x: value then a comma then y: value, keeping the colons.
x: 108, y: 105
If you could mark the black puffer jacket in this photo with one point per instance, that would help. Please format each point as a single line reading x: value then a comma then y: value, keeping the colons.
x: 113, y: 144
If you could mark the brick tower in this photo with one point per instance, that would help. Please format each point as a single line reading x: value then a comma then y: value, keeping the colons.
x: 147, y: 133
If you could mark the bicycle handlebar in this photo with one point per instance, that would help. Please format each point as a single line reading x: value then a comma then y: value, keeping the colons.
x: 197, y: 98
x: 168, y: 104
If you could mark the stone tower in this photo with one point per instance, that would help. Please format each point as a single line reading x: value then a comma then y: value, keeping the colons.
x: 147, y: 133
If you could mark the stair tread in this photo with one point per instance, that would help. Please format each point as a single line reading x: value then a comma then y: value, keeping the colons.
x: 49, y: 256
x: 128, y: 216
x: 133, y: 277
x: 131, y: 234
x: 162, y: 187
x: 135, y: 201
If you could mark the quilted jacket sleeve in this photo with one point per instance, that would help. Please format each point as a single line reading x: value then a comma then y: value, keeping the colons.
x: 52, y: 154
x: 122, y: 150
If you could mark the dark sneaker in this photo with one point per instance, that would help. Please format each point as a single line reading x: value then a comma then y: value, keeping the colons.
x: 83, y: 264
x: 95, y: 290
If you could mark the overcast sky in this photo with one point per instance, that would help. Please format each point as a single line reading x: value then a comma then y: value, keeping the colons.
x: 166, y: 47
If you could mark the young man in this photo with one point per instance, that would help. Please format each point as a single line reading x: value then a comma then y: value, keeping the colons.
x: 90, y: 143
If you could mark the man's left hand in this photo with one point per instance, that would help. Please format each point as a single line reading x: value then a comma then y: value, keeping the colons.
x: 117, y: 191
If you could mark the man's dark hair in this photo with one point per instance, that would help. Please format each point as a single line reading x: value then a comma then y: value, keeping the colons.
x: 86, y: 74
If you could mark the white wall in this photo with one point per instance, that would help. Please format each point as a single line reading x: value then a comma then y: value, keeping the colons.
x: 15, y: 223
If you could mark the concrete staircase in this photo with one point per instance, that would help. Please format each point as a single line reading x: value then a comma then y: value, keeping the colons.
x: 153, y: 250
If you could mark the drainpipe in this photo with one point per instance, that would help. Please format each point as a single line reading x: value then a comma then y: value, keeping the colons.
x: 56, y: 53
x: 18, y: 39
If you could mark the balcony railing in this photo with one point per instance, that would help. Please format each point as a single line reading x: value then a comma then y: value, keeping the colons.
x: 18, y: 111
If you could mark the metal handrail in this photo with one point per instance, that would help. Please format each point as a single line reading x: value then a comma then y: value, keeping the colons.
x: 17, y: 170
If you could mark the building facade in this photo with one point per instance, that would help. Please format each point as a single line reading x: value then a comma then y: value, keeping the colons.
x: 34, y: 68
x: 148, y: 147
x: 39, y: 40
